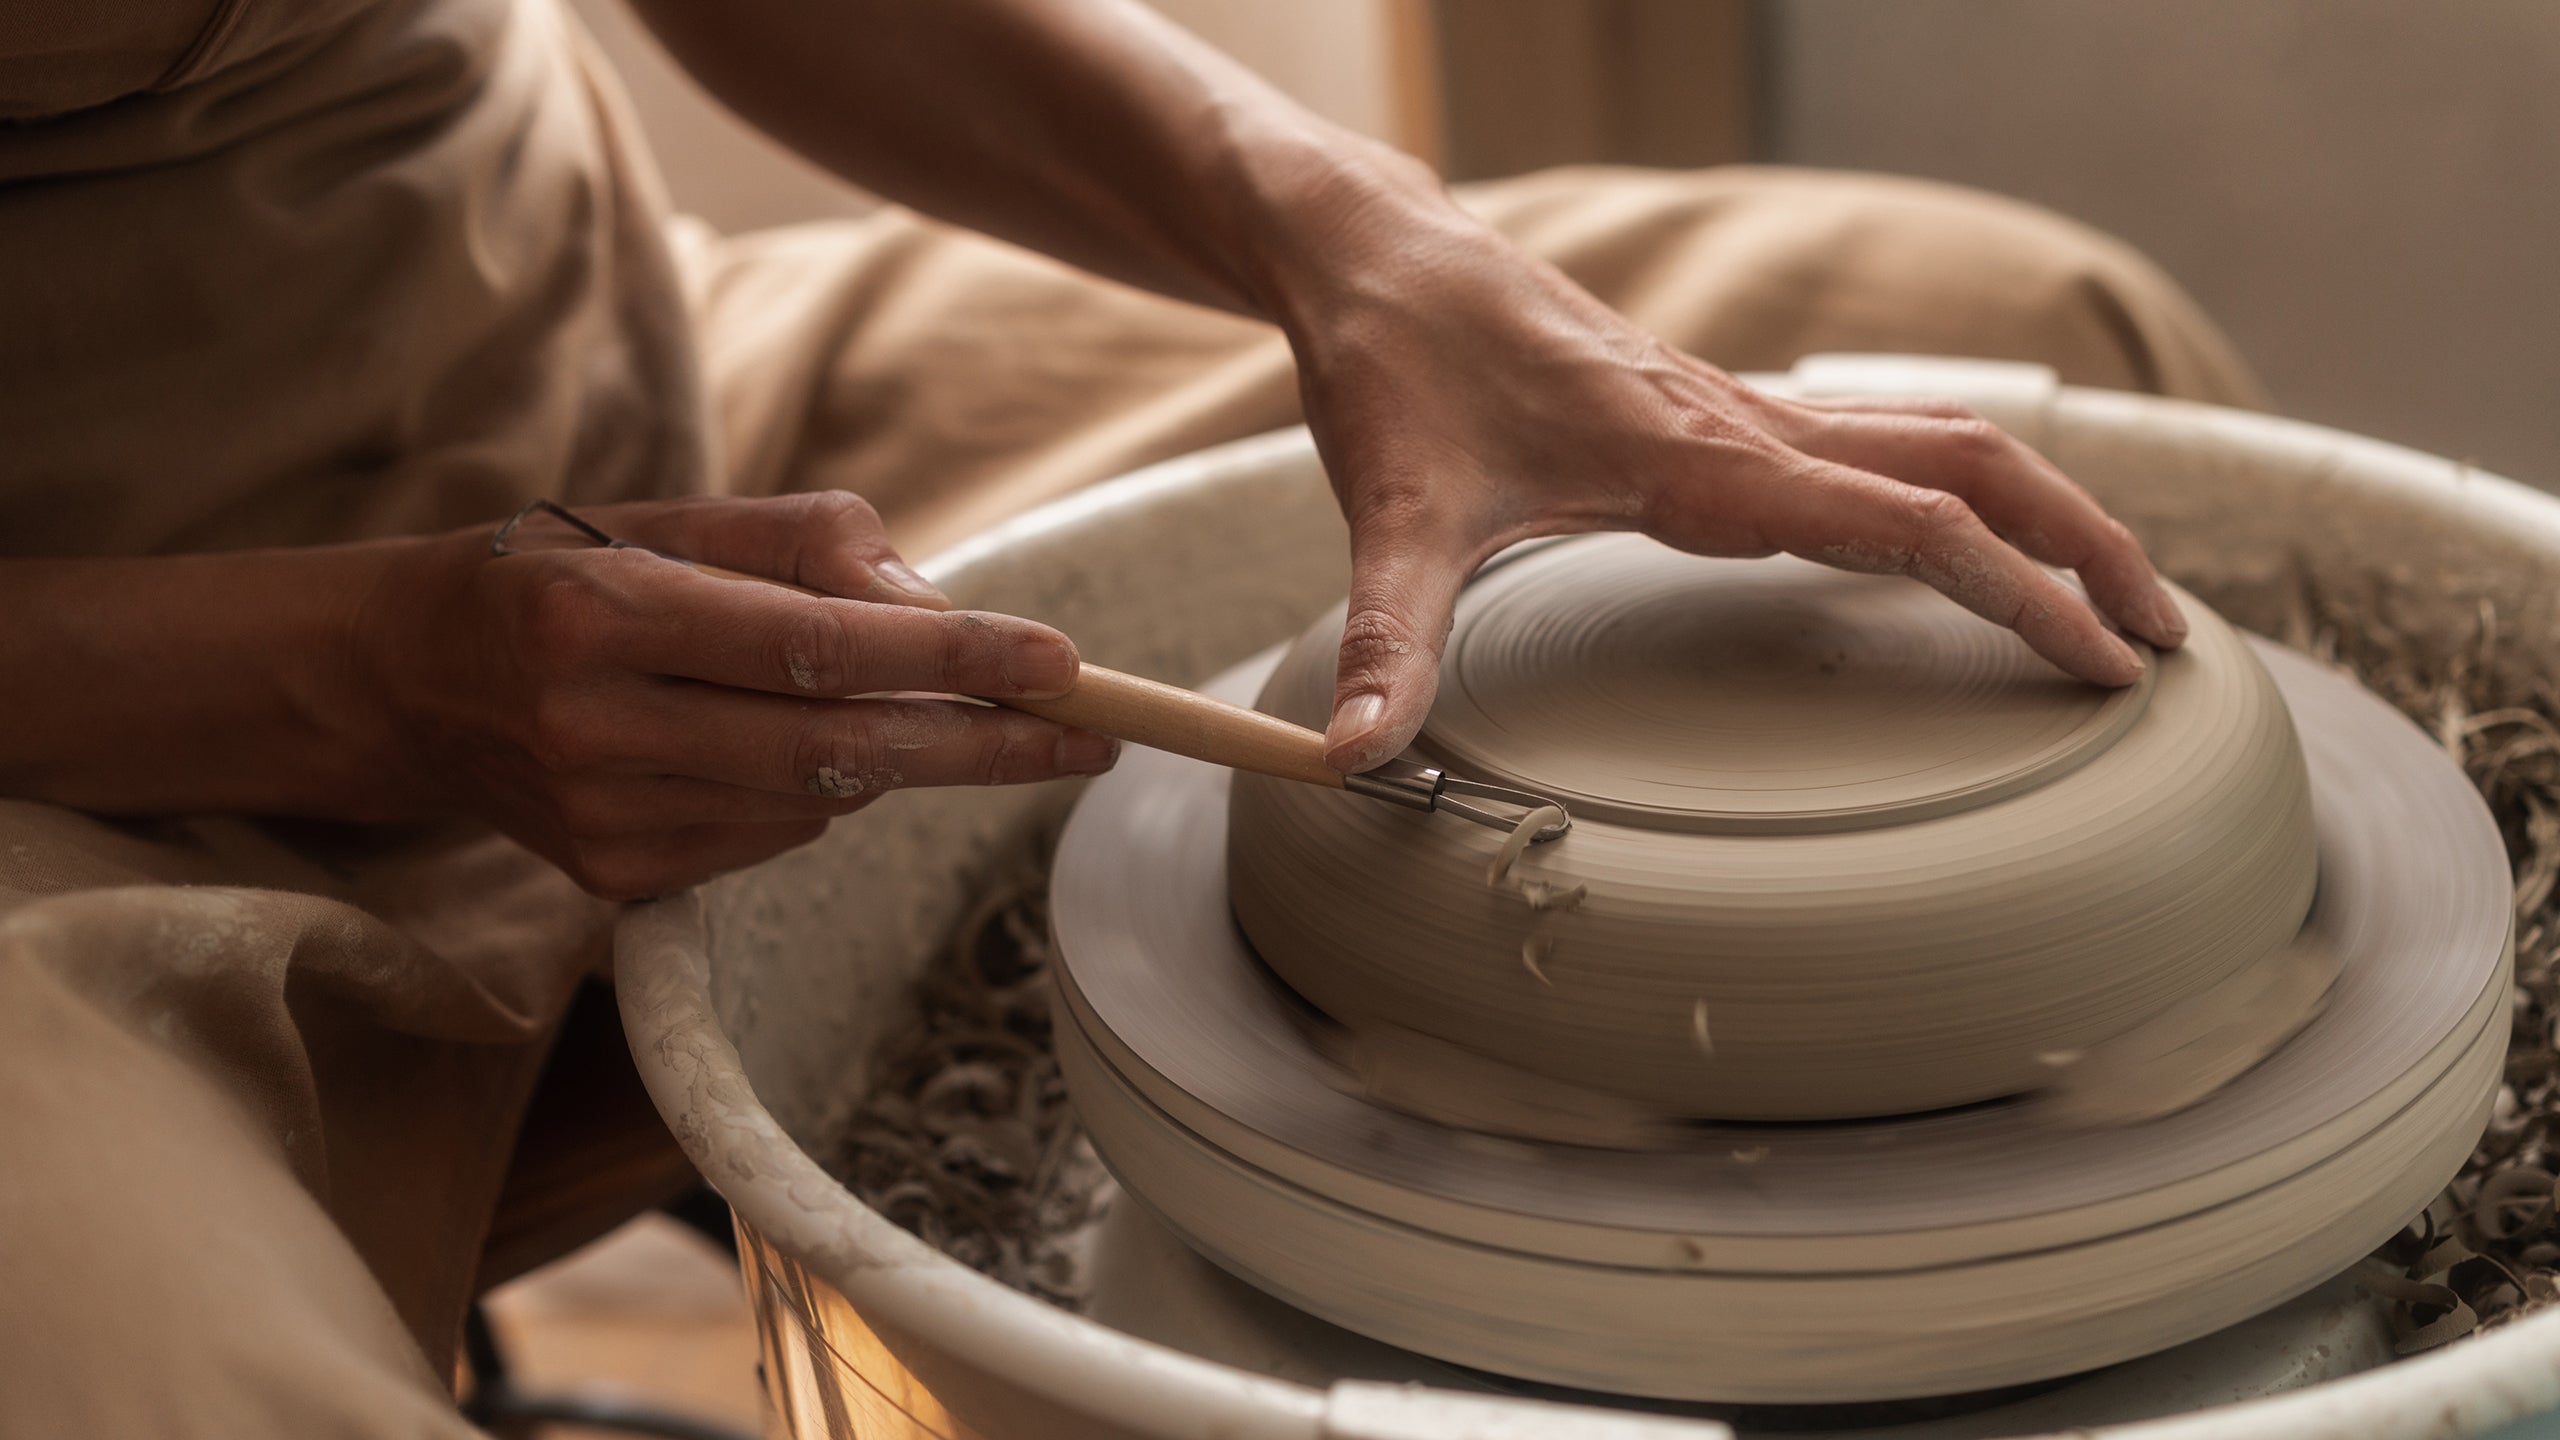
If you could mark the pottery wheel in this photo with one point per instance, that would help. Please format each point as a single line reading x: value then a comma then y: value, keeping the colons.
x: 1787, y: 1262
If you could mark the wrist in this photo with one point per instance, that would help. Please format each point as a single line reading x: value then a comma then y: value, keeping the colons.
x: 1323, y: 218
x: 375, y: 697
x: 329, y: 747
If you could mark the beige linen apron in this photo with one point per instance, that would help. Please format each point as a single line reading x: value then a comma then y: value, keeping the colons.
x: 273, y: 1096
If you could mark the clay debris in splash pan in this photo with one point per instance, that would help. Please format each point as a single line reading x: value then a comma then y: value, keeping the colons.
x: 967, y: 1139
x: 969, y: 1142
x: 2488, y: 1249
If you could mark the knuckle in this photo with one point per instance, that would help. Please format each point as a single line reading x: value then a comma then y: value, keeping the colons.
x: 1976, y: 438
x: 816, y: 654
x: 965, y: 651
x: 835, y: 521
x: 833, y: 538
x: 1005, y: 757
x: 839, y: 761
x: 1937, y: 518
x: 561, y: 735
x: 1018, y: 754
x: 1711, y: 418
x: 843, y: 510
x: 565, y: 619
x: 1374, y: 639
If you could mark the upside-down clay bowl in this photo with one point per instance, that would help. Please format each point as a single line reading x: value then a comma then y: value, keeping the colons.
x: 1843, y: 849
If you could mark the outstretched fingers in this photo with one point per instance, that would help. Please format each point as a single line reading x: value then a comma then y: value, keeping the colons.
x: 829, y: 541
x: 762, y: 637
x: 2018, y: 493
x: 830, y: 750
x: 1858, y: 520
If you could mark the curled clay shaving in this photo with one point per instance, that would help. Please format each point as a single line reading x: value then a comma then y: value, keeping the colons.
x: 966, y: 1137
x: 1546, y: 898
x: 1517, y: 842
x: 1546, y: 901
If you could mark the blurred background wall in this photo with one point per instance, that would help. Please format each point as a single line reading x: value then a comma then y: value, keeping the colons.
x: 2365, y: 192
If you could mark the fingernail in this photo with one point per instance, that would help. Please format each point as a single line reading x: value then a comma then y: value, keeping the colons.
x: 2167, y: 619
x: 1040, y: 667
x: 1082, y: 752
x: 899, y: 576
x: 1353, y: 723
x: 2123, y: 661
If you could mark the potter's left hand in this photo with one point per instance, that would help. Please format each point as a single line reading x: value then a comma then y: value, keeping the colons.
x: 1481, y: 398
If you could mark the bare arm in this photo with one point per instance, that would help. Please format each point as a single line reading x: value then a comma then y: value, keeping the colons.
x: 191, y: 683
x: 1093, y: 130
x: 1463, y: 394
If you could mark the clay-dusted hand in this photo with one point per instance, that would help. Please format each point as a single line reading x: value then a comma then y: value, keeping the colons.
x: 1483, y: 399
x: 644, y: 725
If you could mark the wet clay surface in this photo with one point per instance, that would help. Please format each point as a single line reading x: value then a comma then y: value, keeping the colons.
x: 1840, y: 849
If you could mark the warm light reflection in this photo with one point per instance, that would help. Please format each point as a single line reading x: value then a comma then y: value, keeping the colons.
x: 828, y: 1375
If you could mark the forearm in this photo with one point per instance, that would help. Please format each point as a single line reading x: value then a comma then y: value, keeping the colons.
x: 1093, y: 130
x: 189, y: 684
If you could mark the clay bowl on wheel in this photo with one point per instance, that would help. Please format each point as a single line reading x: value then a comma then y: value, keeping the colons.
x: 1839, y: 848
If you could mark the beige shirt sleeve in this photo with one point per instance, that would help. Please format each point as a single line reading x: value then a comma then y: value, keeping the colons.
x: 284, y: 273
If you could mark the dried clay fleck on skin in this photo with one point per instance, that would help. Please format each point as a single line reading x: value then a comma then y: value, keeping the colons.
x: 919, y: 727
x: 837, y: 785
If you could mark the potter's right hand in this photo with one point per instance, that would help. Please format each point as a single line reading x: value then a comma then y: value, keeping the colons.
x: 644, y: 725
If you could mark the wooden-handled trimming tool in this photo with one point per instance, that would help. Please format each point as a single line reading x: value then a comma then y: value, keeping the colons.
x: 1185, y: 722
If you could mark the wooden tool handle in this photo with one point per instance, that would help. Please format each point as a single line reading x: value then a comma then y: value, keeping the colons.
x: 1186, y: 722
x: 1163, y: 717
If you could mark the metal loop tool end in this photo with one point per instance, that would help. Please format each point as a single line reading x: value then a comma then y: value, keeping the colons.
x: 501, y: 543
x: 1423, y: 787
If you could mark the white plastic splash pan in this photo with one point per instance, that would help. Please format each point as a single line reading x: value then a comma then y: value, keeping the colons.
x: 754, y: 1003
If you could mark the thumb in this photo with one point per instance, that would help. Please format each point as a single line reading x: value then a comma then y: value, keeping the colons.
x: 1401, y: 600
